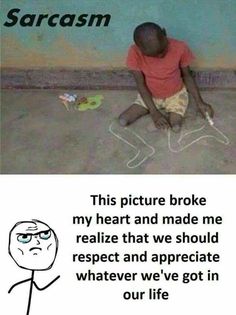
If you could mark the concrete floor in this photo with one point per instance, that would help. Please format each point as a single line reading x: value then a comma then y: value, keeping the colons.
x: 40, y: 136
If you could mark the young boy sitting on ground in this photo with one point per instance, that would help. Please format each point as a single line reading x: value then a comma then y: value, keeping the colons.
x: 160, y: 66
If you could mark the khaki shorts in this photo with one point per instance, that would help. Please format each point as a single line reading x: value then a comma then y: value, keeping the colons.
x: 177, y: 103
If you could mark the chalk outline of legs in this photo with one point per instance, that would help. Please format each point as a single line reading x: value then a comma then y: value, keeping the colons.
x: 153, y: 151
x: 226, y: 142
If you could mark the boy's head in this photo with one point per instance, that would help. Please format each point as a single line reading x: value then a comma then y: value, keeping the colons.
x: 151, y: 39
x: 33, y: 245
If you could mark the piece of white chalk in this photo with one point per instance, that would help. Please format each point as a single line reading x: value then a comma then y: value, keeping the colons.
x: 211, y: 122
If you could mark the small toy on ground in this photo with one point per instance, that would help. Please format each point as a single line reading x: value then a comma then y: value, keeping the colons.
x: 67, y: 98
x: 90, y: 102
x: 81, y: 104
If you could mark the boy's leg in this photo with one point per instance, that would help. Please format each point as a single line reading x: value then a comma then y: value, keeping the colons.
x: 175, y: 121
x: 176, y: 107
x: 133, y: 113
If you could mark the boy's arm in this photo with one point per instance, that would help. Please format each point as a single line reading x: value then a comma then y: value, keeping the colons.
x: 193, y: 89
x: 158, y: 119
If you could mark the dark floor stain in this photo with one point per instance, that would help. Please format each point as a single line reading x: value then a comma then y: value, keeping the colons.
x: 21, y: 116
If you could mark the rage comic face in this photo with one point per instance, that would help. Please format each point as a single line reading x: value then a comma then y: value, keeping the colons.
x: 33, y: 245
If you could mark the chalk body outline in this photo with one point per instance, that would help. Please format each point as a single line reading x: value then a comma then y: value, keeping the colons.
x: 153, y: 151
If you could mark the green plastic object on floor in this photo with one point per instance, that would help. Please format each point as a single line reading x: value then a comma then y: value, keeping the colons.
x: 91, y: 102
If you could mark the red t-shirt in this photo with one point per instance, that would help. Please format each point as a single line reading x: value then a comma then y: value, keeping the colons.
x: 162, y: 75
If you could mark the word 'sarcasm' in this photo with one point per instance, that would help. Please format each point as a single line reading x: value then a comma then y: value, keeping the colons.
x: 53, y: 20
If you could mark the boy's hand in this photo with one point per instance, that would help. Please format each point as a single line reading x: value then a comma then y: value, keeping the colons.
x: 204, y: 107
x: 159, y: 120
